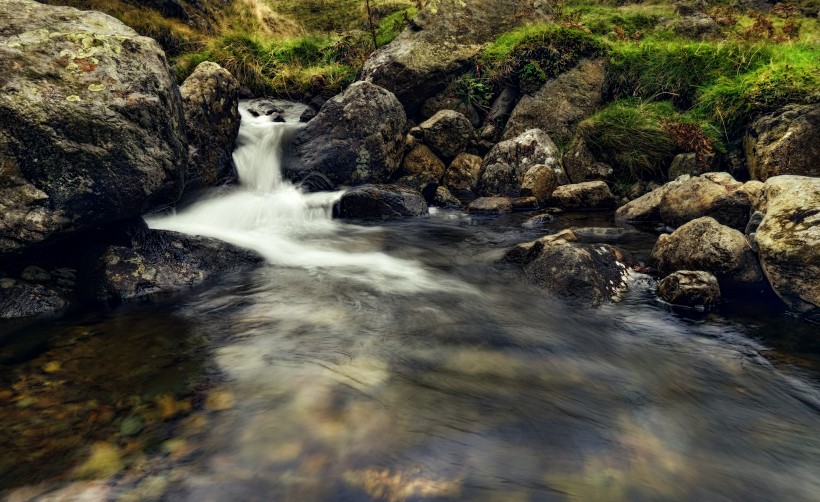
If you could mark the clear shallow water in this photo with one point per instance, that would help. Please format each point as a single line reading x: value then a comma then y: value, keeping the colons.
x: 398, y: 362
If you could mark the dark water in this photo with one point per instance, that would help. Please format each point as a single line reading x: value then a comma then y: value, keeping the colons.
x: 450, y: 380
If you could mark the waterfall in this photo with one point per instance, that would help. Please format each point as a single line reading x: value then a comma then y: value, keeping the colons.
x: 285, y: 225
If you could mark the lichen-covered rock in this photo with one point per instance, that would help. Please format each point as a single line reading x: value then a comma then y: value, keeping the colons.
x: 592, y: 274
x: 490, y: 205
x: 19, y: 299
x: 447, y: 133
x: 580, y: 164
x: 698, y: 26
x: 561, y: 103
x: 161, y: 261
x: 381, y: 202
x: 461, y: 176
x: 91, y: 124
x: 788, y: 240
x: 540, y: 182
x: 690, y: 288
x: 784, y: 142
x: 440, y: 42
x: 704, y: 244
x: 357, y: 137
x: 210, y: 99
x: 421, y: 160
x: 503, y: 168
x: 587, y: 195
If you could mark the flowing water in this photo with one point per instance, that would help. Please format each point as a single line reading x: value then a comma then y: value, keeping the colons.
x: 400, y: 362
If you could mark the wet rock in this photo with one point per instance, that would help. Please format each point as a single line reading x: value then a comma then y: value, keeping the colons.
x: 421, y: 160
x: 443, y: 198
x: 425, y: 184
x: 784, y: 142
x: 540, y: 182
x: 441, y: 41
x: 160, y: 261
x: 220, y: 400
x: 503, y: 168
x: 356, y: 138
x: 103, y: 461
x: 561, y: 103
x: 210, y: 99
x: 381, y: 202
x: 580, y: 164
x: 704, y: 244
x: 447, y: 133
x: 595, y: 235
x: 461, y: 176
x: 538, y: 220
x: 690, y: 288
x: 524, y: 203
x: 19, y: 299
x: 788, y: 240
x: 307, y: 115
x: 587, y: 195
x: 490, y: 205
x: 91, y: 124
x: 33, y: 273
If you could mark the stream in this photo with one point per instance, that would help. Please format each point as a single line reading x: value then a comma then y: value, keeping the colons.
x: 398, y: 361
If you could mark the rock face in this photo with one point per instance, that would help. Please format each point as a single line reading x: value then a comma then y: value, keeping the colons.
x: 561, y: 103
x: 381, y: 202
x: 690, y: 288
x: 160, y: 261
x: 503, y: 168
x: 440, y: 42
x: 704, y: 244
x: 357, y: 137
x: 22, y: 299
x: 592, y: 274
x: 784, y: 142
x: 587, y: 195
x: 210, y: 99
x: 447, y: 133
x: 713, y: 194
x: 91, y: 124
x: 788, y: 240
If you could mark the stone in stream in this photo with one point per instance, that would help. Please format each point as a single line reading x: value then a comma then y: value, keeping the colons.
x: 490, y: 205
x: 210, y: 99
x: 443, y: 198
x: 788, y: 240
x: 91, y: 124
x: 587, y: 195
x: 504, y: 167
x: 380, y: 202
x: 356, y: 138
x: 690, y: 288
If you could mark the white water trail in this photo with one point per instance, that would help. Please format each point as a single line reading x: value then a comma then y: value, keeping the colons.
x: 285, y: 225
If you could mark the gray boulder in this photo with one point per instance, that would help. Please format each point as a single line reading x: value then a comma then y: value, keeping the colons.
x: 788, y: 240
x: 503, y: 168
x: 91, y: 123
x: 690, y: 288
x: 380, y: 202
x: 357, y: 137
x: 447, y: 133
x: 784, y: 142
x: 210, y: 99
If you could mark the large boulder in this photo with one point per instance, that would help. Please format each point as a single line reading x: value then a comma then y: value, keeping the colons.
x: 504, y: 166
x: 91, y: 123
x: 441, y: 41
x: 561, y: 103
x: 690, y: 288
x: 591, y: 274
x: 161, y: 261
x: 784, y: 142
x: 357, y: 137
x: 447, y: 133
x: 210, y: 100
x: 704, y: 244
x: 587, y: 195
x: 380, y: 202
x: 788, y: 241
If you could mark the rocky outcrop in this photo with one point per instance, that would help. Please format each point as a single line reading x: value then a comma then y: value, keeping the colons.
x: 580, y: 164
x: 160, y: 261
x: 561, y: 103
x: 380, y: 202
x: 591, y: 274
x: 210, y: 99
x: 490, y: 205
x: 788, y: 240
x: 461, y: 176
x: 440, y: 42
x: 91, y: 124
x: 690, y: 288
x: 356, y: 138
x: 704, y: 244
x: 587, y: 195
x: 784, y: 142
x: 447, y: 133
x: 503, y: 168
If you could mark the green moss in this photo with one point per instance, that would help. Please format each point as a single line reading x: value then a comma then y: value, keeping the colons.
x: 393, y: 24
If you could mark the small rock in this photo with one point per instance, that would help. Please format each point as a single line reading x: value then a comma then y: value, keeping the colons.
x: 690, y: 288
x: 447, y: 133
x: 490, y: 205
x: 444, y: 198
x: 587, y: 195
x: 462, y: 175
x: 103, y: 462
x: 220, y: 400
x: 35, y: 274
x: 538, y: 220
x: 131, y: 426
x: 539, y: 181
x: 524, y: 203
